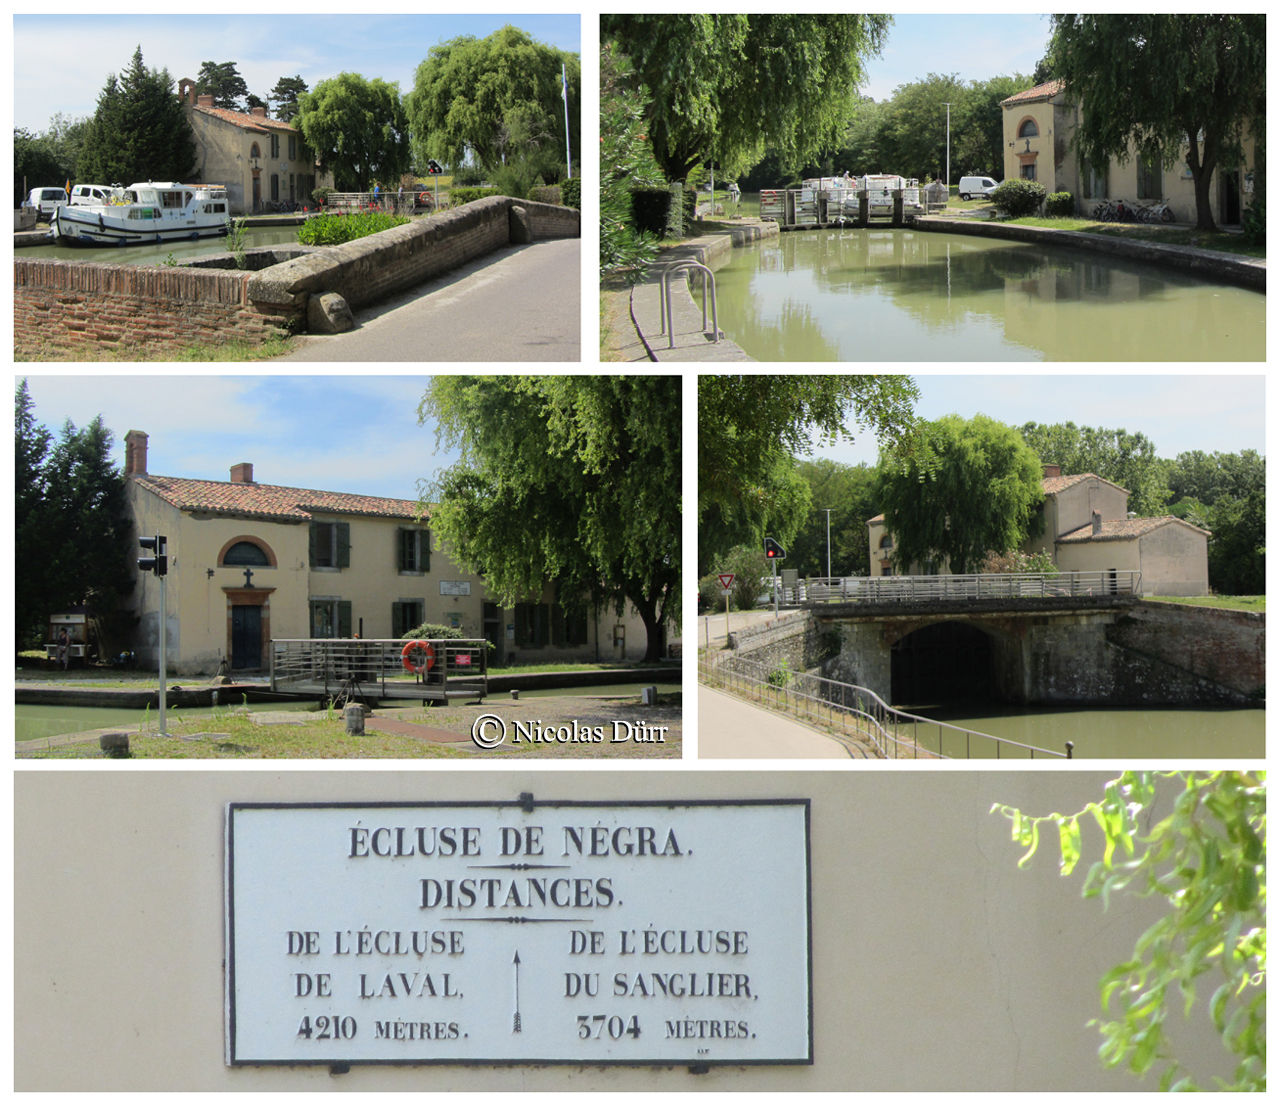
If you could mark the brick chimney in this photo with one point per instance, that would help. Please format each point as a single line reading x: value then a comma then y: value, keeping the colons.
x: 1097, y: 523
x: 204, y: 100
x: 135, y: 453
x: 1052, y: 470
x: 242, y: 473
x: 258, y: 112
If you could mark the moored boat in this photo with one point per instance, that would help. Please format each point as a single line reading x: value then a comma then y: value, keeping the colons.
x: 148, y: 212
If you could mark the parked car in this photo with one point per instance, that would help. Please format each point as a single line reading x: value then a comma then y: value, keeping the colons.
x: 976, y: 188
x: 45, y: 201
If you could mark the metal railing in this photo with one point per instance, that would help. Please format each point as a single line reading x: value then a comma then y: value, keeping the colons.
x: 343, y: 668
x: 1003, y: 585
x: 664, y: 303
x: 397, y: 203
x: 857, y: 717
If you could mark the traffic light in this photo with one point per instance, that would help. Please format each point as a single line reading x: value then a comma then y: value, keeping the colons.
x: 773, y: 551
x: 434, y: 168
x: 159, y: 562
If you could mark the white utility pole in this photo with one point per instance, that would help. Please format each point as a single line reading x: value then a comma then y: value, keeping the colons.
x: 948, y: 172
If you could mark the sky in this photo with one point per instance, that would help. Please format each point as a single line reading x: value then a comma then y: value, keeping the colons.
x: 326, y: 433
x: 264, y: 48
x: 1179, y: 413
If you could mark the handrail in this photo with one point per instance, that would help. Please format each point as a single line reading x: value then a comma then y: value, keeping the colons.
x: 996, y: 585
x: 884, y: 728
x: 664, y: 303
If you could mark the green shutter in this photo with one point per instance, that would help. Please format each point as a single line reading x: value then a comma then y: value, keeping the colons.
x: 541, y: 617
x: 344, y: 546
x: 311, y: 545
x: 400, y: 540
x: 344, y: 618
x: 424, y: 550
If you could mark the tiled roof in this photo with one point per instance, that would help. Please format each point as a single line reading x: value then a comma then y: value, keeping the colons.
x: 1055, y: 484
x: 1046, y: 91
x: 270, y: 501
x: 1124, y: 529
x: 244, y: 120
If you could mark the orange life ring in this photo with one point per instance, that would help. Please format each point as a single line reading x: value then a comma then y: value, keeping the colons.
x: 424, y: 197
x: 423, y: 647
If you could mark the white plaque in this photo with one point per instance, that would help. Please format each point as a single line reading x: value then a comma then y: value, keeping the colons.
x: 559, y: 932
x: 455, y: 587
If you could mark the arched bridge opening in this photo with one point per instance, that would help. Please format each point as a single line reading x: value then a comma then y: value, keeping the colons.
x: 943, y: 663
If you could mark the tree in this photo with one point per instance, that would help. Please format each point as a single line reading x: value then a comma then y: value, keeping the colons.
x: 223, y: 82
x: 1126, y: 459
x: 726, y: 86
x: 284, y: 97
x: 1180, y: 88
x: 849, y: 491
x: 1206, y: 860
x: 357, y: 128
x: 497, y: 99
x: 31, y: 442
x: 139, y: 131
x: 567, y: 479
x: 972, y: 487
x: 750, y: 429
x: 33, y: 161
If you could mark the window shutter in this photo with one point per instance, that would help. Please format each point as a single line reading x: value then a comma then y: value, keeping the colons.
x: 311, y: 545
x: 344, y: 544
x: 344, y: 618
x: 424, y: 550
x: 401, y: 566
x: 541, y: 616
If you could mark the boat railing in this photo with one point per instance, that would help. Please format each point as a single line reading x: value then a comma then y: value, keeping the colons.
x: 708, y: 299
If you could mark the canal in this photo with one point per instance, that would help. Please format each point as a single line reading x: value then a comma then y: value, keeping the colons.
x: 255, y: 238
x: 881, y: 294
x: 1131, y: 734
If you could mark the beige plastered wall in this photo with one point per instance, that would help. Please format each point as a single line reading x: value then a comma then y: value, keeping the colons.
x: 937, y: 963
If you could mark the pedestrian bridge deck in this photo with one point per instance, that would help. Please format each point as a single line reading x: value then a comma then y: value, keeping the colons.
x: 343, y: 669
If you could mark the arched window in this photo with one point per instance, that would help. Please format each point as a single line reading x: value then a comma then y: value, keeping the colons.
x: 886, y: 542
x: 244, y: 551
x: 1028, y: 129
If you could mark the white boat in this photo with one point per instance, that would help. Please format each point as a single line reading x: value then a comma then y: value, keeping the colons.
x: 880, y: 188
x: 147, y: 213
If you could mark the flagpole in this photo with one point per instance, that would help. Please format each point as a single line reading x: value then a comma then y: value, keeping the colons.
x: 564, y: 89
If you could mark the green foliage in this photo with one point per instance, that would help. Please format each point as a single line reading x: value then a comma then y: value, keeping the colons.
x: 332, y: 230
x: 571, y: 193
x: 749, y: 566
x: 567, y: 479
x: 1016, y: 561
x: 1225, y: 493
x: 726, y: 86
x: 970, y: 487
x: 357, y: 128
x: 223, y: 82
x: 235, y: 239
x: 1254, y: 223
x: 284, y: 97
x: 460, y: 196
x: 751, y: 428
x: 35, y: 165
x: 498, y: 99
x: 1018, y: 197
x: 433, y: 631
x: 849, y: 490
x: 626, y: 164
x: 1059, y: 203
x: 780, y: 674
x: 1205, y: 858
x: 139, y: 131
x: 1123, y: 458
x: 1180, y: 88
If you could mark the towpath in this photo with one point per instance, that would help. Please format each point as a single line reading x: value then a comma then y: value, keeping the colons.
x: 521, y: 303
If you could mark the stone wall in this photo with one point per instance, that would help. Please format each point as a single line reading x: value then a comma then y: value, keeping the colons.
x: 792, y: 639
x: 62, y: 306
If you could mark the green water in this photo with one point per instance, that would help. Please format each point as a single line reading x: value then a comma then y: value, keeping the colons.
x: 156, y: 254
x: 903, y: 295
x: 1127, y: 734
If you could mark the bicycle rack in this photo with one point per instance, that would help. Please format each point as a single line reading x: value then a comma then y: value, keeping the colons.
x: 664, y: 300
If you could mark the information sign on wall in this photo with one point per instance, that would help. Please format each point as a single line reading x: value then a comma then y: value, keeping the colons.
x: 565, y: 932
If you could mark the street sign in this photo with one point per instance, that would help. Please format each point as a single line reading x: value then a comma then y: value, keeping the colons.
x: 726, y: 580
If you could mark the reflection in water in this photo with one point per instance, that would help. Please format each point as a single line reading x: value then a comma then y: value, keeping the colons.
x: 157, y: 254
x: 892, y: 295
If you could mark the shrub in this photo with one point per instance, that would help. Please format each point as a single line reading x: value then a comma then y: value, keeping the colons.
x: 1255, y: 221
x: 468, y: 175
x: 1018, y: 197
x: 432, y: 630
x: 546, y: 194
x: 459, y: 196
x: 649, y: 210
x: 1059, y: 203
x: 571, y: 191
x: 331, y: 230
x: 320, y: 195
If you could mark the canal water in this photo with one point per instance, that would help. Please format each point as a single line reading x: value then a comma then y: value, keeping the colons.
x: 881, y: 294
x: 1125, y: 734
x: 158, y: 254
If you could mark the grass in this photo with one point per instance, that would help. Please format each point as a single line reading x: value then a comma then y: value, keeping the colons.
x: 218, y: 351
x: 1229, y: 602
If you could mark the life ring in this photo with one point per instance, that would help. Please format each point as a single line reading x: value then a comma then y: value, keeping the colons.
x: 423, y: 647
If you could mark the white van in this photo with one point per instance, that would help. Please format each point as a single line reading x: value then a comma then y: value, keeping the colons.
x: 82, y: 195
x: 975, y: 188
x: 45, y: 200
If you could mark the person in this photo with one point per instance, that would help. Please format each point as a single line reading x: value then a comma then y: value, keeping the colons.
x: 64, y: 647
x: 735, y: 193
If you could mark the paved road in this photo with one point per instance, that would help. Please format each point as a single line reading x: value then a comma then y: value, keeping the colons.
x: 521, y: 303
x: 729, y: 727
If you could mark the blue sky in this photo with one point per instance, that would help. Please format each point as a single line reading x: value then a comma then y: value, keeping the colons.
x: 1216, y: 413
x: 332, y: 433
x: 264, y: 47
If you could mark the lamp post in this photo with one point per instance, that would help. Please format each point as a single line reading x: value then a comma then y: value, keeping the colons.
x: 828, y: 510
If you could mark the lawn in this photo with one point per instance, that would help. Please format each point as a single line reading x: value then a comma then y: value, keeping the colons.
x: 1229, y: 602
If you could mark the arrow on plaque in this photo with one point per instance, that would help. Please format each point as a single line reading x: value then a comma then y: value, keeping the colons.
x: 515, y: 1026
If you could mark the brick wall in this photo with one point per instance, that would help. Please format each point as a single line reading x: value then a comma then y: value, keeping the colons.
x: 61, y: 305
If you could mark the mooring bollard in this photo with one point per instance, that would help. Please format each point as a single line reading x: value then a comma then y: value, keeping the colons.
x: 354, y: 717
x: 515, y: 693
x: 649, y: 696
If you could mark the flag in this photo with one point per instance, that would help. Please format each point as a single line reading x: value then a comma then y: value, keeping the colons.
x: 564, y: 84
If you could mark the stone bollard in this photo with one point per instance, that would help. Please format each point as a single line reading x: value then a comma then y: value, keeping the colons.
x: 115, y: 744
x: 648, y: 696
x: 353, y: 715
x: 515, y: 693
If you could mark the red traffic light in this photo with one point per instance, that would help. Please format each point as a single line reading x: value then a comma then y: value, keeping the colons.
x: 773, y: 551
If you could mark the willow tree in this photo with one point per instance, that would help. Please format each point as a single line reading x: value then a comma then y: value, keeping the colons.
x: 357, y: 128
x: 571, y: 480
x: 725, y: 86
x: 1176, y: 88
x: 971, y: 487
